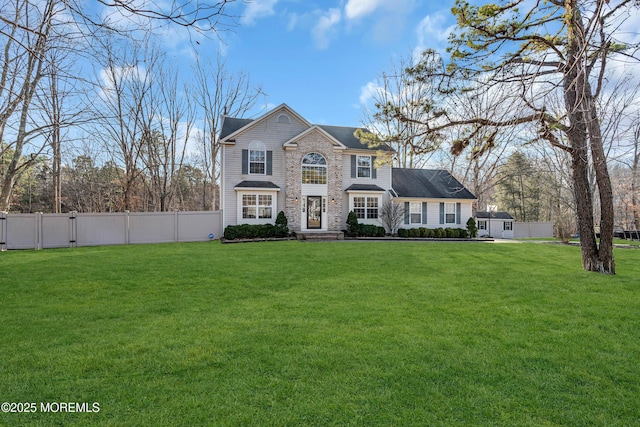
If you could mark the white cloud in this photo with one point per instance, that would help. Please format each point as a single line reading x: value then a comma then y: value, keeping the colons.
x: 368, y: 93
x: 324, y: 28
x: 118, y: 75
x: 355, y: 9
x: 257, y: 9
x: 433, y: 32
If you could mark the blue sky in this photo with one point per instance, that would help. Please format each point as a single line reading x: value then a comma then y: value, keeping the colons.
x: 320, y: 56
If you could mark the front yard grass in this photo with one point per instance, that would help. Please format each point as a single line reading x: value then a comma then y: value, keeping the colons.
x: 330, y: 333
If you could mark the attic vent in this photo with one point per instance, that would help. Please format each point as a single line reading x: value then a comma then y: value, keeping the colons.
x: 283, y: 118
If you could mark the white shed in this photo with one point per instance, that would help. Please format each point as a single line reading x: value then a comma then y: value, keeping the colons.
x: 494, y: 224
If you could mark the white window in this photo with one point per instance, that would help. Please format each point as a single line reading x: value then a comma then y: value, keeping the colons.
x: 314, y: 169
x: 372, y: 207
x: 257, y: 206
x: 482, y: 225
x: 257, y: 158
x: 415, y: 209
x: 365, y: 207
x: 449, y: 213
x: 364, y: 167
x: 359, y: 207
x: 265, y: 203
x: 249, y: 206
x: 507, y: 226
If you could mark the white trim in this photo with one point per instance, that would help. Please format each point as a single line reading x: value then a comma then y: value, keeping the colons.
x: 363, y: 167
x: 262, y: 192
x: 366, y: 195
x: 455, y: 213
x: 419, y: 204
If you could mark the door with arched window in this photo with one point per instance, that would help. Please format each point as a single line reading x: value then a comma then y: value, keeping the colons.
x: 314, y: 191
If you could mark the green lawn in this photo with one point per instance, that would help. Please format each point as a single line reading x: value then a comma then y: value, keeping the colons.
x: 344, y: 333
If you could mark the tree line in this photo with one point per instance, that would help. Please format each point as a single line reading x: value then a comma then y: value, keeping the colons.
x: 95, y: 116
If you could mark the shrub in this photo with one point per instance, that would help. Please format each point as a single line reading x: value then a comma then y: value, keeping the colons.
x: 423, y: 232
x: 472, y: 228
x: 462, y: 233
x: 281, y: 229
x: 281, y: 219
x: 369, y: 230
x: 352, y: 224
x: 450, y: 233
x: 438, y: 233
x: 414, y: 232
x: 254, y: 231
x: 230, y: 232
x: 429, y: 233
x: 403, y: 232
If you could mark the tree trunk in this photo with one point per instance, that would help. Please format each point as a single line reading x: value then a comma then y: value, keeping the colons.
x: 584, y: 131
x: 603, y: 180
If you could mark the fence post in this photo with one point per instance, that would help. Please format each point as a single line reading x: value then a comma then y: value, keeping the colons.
x: 126, y: 228
x: 3, y: 231
x: 38, y: 219
x: 175, y: 226
x: 73, y: 229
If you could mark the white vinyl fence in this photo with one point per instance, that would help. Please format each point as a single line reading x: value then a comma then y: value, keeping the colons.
x: 532, y: 229
x: 39, y: 231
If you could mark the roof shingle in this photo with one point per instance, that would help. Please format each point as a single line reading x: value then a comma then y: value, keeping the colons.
x: 428, y: 183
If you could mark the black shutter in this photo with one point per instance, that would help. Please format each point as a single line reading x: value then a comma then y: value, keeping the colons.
x: 353, y: 166
x: 441, y: 213
x: 424, y: 212
x: 269, y: 162
x: 406, y: 212
x: 245, y: 162
x: 458, y: 213
x: 373, y: 167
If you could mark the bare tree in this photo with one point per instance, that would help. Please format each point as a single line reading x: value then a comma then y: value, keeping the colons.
x: 164, y: 144
x: 391, y: 215
x: 26, y: 35
x: 124, y: 111
x: 219, y: 93
x: 30, y: 30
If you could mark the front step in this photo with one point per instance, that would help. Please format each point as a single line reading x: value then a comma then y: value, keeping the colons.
x: 319, y: 235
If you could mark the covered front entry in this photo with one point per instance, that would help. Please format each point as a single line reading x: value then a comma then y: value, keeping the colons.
x: 314, y: 212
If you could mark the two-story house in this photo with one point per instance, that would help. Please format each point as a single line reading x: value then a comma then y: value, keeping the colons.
x: 317, y: 174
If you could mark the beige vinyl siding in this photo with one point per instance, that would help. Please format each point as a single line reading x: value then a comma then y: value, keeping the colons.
x: 383, y: 173
x: 433, y: 212
x: 273, y: 135
x: 382, y: 180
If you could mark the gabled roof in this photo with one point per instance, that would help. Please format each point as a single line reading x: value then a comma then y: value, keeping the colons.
x: 428, y: 183
x: 494, y: 215
x: 342, y: 134
x: 314, y: 128
x: 244, y: 124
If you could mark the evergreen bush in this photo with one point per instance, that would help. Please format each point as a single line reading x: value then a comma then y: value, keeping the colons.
x: 352, y: 224
x: 472, y: 228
